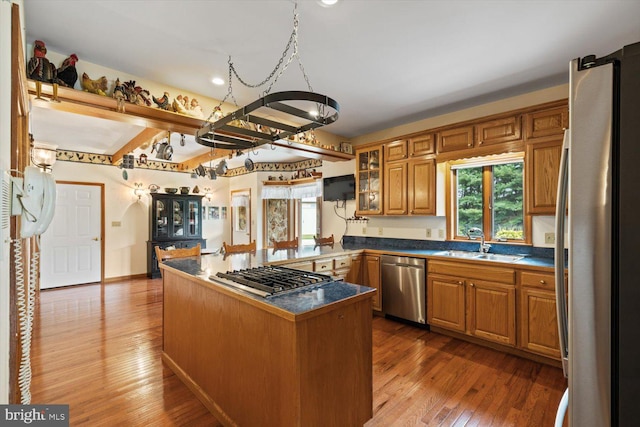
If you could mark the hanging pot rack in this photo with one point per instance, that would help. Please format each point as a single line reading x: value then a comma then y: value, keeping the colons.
x: 232, y: 133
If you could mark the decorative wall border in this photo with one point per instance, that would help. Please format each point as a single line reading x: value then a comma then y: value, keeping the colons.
x: 106, y: 160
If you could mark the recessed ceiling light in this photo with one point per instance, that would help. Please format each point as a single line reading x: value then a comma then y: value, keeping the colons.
x: 217, y: 81
x: 314, y: 113
x: 327, y: 3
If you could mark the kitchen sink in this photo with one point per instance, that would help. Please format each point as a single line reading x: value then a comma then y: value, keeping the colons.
x: 479, y: 256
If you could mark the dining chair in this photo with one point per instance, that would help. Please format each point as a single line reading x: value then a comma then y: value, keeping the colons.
x: 285, y: 244
x: 323, y: 241
x: 164, y: 254
x: 240, y: 248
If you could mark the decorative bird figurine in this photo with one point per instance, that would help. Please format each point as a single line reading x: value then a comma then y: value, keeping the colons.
x: 163, y: 101
x: 98, y: 86
x: 67, y: 75
x: 39, y: 67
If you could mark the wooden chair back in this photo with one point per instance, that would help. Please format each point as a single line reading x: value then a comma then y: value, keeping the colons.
x: 324, y: 241
x: 236, y: 249
x: 164, y: 254
x: 285, y: 244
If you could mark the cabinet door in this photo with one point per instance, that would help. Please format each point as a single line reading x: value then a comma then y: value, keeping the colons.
x: 539, y: 322
x: 492, y: 311
x: 445, y: 303
x: 498, y: 131
x: 162, y: 218
x: 371, y: 278
x: 422, y: 145
x: 369, y: 181
x: 422, y: 187
x: 355, y: 272
x: 396, y: 150
x: 542, y: 167
x: 395, y: 189
x: 455, y: 139
x: 547, y: 122
x: 176, y: 228
x: 193, y: 214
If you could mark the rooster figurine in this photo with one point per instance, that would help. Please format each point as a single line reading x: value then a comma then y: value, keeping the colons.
x: 39, y: 67
x: 98, y: 86
x: 163, y: 101
x: 67, y: 75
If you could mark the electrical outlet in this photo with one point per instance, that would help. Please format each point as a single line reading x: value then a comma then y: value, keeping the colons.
x: 428, y: 232
x: 549, y: 238
x: 364, y: 230
x: 441, y: 233
x: 116, y: 224
x: 379, y: 231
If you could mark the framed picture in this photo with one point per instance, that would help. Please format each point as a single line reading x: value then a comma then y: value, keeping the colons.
x: 204, y: 213
x: 223, y: 212
x: 346, y: 147
x: 276, y: 220
x: 214, y: 212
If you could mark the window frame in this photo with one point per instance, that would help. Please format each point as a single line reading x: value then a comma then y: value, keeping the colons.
x: 486, y: 163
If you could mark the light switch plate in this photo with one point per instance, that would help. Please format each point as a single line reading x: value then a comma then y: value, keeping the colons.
x: 379, y: 231
x: 116, y: 224
x: 428, y: 232
x: 549, y: 238
x: 441, y: 233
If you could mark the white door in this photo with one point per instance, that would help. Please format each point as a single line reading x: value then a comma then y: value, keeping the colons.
x: 71, y: 247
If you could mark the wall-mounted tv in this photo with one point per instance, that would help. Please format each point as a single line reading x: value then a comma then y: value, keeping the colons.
x: 339, y: 188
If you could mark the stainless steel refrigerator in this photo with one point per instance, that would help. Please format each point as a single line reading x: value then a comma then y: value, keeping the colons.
x: 600, y: 180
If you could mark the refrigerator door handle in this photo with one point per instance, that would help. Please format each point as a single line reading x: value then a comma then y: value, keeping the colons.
x: 559, y: 258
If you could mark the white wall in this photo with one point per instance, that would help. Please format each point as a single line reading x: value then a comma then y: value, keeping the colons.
x: 125, y: 245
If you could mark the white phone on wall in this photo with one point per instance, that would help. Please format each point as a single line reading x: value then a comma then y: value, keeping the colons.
x: 36, y: 199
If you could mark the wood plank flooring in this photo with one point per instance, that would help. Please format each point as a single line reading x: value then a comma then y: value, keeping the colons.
x: 97, y: 348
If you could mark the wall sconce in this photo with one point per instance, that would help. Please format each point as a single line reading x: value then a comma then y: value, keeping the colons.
x: 42, y: 155
x: 138, y: 191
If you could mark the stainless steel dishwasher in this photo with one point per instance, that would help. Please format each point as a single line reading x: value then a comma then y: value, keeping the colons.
x: 404, y: 288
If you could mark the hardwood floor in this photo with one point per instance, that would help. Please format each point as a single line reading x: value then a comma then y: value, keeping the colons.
x: 97, y: 348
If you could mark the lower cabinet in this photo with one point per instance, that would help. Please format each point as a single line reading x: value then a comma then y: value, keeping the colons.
x: 371, y: 278
x: 478, y: 301
x: 355, y: 271
x: 537, y: 315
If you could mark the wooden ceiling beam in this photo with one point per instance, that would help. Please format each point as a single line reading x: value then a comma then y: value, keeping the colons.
x: 203, y: 158
x: 143, y: 137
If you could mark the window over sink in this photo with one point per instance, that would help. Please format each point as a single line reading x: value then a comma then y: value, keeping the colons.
x: 488, y: 193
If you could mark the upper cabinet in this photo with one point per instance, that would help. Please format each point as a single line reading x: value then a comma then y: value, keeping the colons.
x: 455, y: 139
x: 369, y: 175
x: 422, y: 145
x: 499, y: 131
x: 549, y: 122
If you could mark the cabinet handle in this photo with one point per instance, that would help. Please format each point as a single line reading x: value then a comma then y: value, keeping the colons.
x: 460, y: 283
x: 469, y: 144
x: 411, y: 211
x: 479, y: 142
x: 472, y: 285
x: 542, y: 282
x: 323, y: 266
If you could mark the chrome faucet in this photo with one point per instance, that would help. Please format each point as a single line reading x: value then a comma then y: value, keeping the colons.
x: 477, y: 232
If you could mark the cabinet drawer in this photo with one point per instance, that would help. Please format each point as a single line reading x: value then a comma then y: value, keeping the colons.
x: 325, y: 265
x: 305, y: 265
x: 342, y: 262
x: 538, y: 280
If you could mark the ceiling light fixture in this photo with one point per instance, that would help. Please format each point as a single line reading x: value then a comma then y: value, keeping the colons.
x: 327, y: 3
x: 254, y: 124
x: 218, y: 81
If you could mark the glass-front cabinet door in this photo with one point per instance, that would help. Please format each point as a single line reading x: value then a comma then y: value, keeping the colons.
x: 161, y: 224
x: 193, y: 217
x: 369, y: 176
x: 178, y: 218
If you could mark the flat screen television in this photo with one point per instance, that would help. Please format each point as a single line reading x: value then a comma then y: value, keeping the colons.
x: 339, y: 188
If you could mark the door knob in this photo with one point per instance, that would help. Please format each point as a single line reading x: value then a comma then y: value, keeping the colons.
x: 96, y: 239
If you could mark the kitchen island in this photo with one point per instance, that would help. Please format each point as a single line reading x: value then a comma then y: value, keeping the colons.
x: 299, y: 359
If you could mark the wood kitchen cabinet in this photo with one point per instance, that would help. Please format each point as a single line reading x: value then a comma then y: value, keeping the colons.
x: 498, y: 131
x: 537, y: 317
x: 472, y: 299
x: 460, y: 138
x: 355, y: 271
x: 446, y: 302
x: 369, y: 180
x: 492, y: 311
x: 542, y: 165
x: 409, y: 180
x: 547, y: 122
x: 371, y: 278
